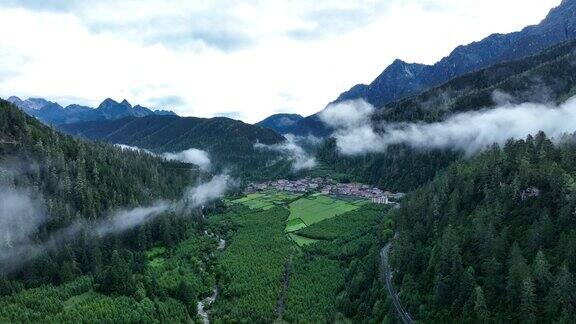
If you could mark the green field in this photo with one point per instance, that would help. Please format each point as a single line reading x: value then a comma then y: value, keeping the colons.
x: 315, y: 209
x: 265, y: 200
x: 301, y: 240
x: 294, y: 225
x: 304, y: 211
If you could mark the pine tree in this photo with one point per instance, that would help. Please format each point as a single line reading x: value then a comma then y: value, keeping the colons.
x: 480, y: 308
x: 541, y: 272
x: 527, y: 304
x: 118, y: 277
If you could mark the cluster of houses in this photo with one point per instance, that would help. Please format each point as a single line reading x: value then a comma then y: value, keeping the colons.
x: 327, y: 187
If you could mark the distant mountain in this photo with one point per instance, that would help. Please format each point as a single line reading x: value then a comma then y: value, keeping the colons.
x: 229, y: 142
x: 542, y: 78
x: 281, y: 123
x: 52, y: 113
x: 547, y: 77
x: 402, y: 79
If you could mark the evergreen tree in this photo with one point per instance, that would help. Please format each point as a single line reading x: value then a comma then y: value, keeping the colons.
x: 480, y: 308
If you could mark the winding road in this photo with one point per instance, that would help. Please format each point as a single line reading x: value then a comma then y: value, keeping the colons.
x: 387, y: 274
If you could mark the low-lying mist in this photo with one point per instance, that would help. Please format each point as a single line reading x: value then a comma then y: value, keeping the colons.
x: 292, y: 150
x: 193, y: 156
x: 469, y: 132
x: 22, y: 213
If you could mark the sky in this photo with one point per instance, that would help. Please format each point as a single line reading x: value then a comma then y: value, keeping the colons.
x: 241, y: 59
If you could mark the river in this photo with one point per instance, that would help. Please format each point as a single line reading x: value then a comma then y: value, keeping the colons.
x: 203, y: 305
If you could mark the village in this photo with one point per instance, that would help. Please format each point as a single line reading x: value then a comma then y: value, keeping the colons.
x: 327, y: 187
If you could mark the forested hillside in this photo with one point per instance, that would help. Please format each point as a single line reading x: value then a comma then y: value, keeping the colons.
x: 546, y: 77
x: 281, y: 123
x: 80, y: 274
x: 82, y: 179
x: 493, y: 238
x: 230, y: 143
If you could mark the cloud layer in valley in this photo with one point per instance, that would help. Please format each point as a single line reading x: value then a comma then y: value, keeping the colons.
x: 197, y: 196
x: 194, y: 156
x: 347, y: 114
x: 293, y: 151
x: 23, y: 213
x: 469, y: 132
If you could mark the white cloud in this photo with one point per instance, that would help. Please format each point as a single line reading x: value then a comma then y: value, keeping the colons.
x: 351, y: 113
x: 207, y: 191
x: 129, y: 218
x: 293, y: 151
x: 468, y: 132
x: 265, y: 56
x: 194, y: 156
x: 22, y: 213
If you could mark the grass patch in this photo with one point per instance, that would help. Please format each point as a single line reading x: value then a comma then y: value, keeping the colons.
x: 314, y: 209
x: 294, y: 225
x: 265, y: 200
x: 367, y: 216
x: 301, y: 240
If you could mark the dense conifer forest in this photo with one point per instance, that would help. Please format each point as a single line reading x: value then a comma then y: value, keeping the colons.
x: 492, y: 239
x: 113, y: 278
x: 91, y: 232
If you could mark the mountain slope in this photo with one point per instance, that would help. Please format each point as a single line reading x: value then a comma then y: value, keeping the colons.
x: 401, y: 79
x: 546, y: 77
x: 54, y: 114
x: 97, y: 167
x: 230, y: 143
x: 491, y: 236
x: 281, y: 123
x: 78, y: 221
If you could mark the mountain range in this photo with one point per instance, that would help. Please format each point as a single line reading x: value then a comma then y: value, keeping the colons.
x: 547, y: 77
x: 229, y: 142
x: 402, y: 79
x: 54, y: 114
x: 282, y: 123
x: 90, y: 232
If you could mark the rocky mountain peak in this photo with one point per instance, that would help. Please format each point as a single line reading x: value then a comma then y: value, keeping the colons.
x: 126, y: 103
x: 108, y: 102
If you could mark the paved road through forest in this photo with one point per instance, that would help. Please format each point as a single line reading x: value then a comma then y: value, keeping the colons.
x: 387, y: 274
